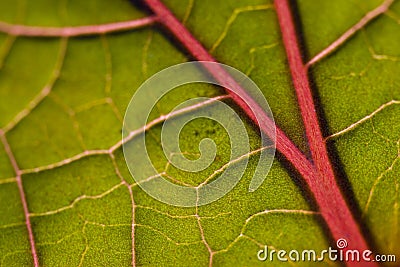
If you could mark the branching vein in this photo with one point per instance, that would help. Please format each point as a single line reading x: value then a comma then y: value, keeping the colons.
x: 371, y: 115
x: 350, y: 32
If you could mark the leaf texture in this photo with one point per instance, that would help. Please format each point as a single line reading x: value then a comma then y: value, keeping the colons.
x: 62, y: 101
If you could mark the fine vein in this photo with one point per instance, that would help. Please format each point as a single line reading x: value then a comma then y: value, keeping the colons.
x: 37, y: 31
x: 21, y: 190
x: 350, y: 32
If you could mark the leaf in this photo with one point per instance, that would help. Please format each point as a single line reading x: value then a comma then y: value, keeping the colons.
x: 62, y: 105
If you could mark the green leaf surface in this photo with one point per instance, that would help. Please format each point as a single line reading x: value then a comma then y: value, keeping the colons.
x: 62, y: 102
